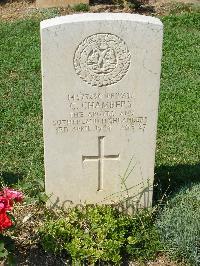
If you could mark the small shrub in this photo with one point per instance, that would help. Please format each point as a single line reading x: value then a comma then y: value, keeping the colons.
x: 46, y: 13
x: 81, y: 7
x: 179, y: 225
x: 134, y: 4
x: 101, y: 234
x: 137, y: 4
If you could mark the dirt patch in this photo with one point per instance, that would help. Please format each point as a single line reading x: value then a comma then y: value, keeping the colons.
x: 15, y: 9
x: 19, y: 9
x: 165, y: 7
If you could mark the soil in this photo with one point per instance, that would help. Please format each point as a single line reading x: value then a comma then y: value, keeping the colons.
x: 18, y: 9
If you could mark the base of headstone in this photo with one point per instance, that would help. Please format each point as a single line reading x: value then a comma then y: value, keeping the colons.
x: 58, y: 3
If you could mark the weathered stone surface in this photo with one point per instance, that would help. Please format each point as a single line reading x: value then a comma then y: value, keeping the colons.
x: 101, y: 75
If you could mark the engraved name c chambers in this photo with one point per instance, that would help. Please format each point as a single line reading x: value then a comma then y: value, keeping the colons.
x: 102, y: 59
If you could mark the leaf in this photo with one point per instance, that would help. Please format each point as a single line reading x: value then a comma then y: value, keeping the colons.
x: 3, y: 251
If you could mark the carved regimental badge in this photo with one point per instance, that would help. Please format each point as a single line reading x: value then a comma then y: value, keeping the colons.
x: 102, y: 59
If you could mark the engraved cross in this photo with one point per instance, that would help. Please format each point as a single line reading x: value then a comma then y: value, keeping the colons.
x: 100, y: 158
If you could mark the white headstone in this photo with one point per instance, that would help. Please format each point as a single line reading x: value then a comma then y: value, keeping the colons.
x: 101, y: 76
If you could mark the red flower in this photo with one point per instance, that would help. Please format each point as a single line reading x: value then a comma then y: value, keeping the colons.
x: 5, y: 221
x: 7, y: 198
x: 12, y: 194
x: 2, y: 207
x: 5, y: 204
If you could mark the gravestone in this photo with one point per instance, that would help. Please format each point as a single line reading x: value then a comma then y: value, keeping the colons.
x: 101, y: 75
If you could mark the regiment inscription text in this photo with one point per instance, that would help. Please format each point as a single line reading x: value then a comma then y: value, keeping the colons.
x: 100, y: 112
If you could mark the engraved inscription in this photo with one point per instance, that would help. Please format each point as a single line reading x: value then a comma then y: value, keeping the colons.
x: 100, y: 158
x: 100, y: 112
x: 100, y: 124
x: 102, y: 59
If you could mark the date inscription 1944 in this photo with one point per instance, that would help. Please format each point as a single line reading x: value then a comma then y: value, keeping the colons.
x: 99, y: 112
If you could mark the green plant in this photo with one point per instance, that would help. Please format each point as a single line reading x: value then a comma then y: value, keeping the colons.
x: 135, y: 4
x: 179, y: 225
x: 81, y: 7
x: 3, y: 251
x: 44, y: 13
x: 101, y: 233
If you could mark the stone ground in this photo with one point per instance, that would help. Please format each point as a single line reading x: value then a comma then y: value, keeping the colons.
x: 27, y: 251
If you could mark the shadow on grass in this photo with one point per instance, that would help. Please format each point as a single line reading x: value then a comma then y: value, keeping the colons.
x: 9, y: 178
x: 170, y: 179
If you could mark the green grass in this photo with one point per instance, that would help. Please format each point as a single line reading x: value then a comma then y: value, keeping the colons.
x: 178, y: 152
x: 21, y: 113
x: 179, y: 125
x: 178, y: 141
x: 179, y: 225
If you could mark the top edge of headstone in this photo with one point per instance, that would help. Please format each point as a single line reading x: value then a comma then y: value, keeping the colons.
x: 98, y: 17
